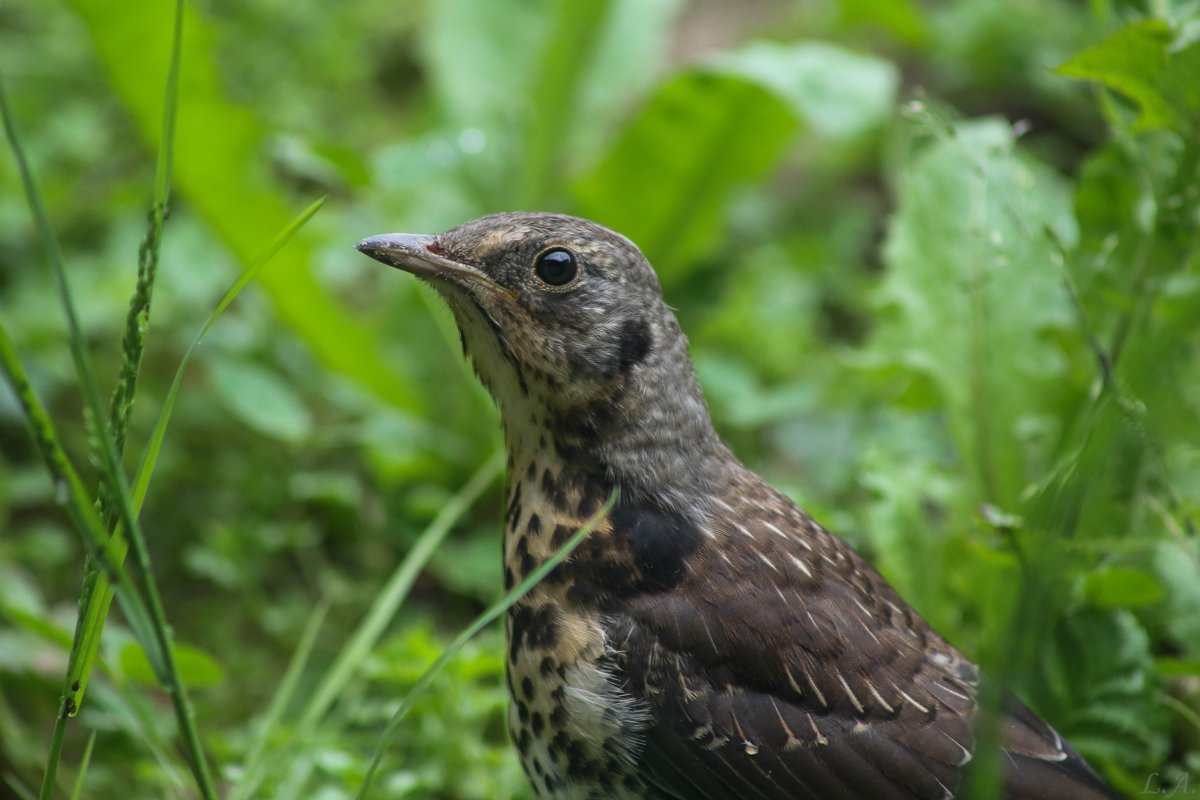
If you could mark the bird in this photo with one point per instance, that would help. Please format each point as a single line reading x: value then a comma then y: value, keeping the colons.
x: 708, y: 639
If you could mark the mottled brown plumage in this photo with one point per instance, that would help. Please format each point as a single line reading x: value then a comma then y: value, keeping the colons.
x: 710, y: 640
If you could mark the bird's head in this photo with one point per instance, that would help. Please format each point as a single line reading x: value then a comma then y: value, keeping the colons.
x: 544, y: 302
x: 566, y: 324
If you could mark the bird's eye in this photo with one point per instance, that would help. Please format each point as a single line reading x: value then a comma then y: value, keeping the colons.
x: 555, y: 267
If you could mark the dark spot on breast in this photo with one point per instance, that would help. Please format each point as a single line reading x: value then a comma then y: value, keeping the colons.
x: 659, y: 541
x: 547, y: 666
x: 527, y: 688
x: 534, y: 526
x: 530, y: 471
x: 538, y: 723
x: 588, y: 505
x: 547, y: 482
x: 510, y: 580
x: 646, y: 551
x: 514, y: 506
x: 558, y: 717
x: 533, y: 628
x: 560, y: 536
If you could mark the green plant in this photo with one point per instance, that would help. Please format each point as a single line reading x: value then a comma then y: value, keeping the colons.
x: 937, y: 264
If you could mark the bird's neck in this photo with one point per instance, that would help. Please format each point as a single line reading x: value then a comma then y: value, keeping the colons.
x: 652, y: 437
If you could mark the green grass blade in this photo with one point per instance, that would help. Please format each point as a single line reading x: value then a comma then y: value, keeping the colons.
x: 113, y: 475
x: 218, y: 166
x: 359, y: 645
x: 382, y: 611
x: 141, y: 480
x: 69, y: 487
x: 254, y: 764
x: 481, y: 622
x: 396, y: 590
x: 97, y: 594
x: 101, y: 599
x: 84, y: 762
x: 568, y: 54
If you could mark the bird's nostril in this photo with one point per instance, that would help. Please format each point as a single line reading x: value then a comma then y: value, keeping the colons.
x: 435, y: 248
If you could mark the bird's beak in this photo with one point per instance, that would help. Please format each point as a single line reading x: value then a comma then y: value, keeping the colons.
x: 418, y: 254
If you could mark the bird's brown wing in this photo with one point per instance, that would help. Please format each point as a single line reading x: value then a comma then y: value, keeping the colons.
x: 783, y: 666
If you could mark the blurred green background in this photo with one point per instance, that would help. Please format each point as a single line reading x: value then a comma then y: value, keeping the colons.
x: 939, y: 289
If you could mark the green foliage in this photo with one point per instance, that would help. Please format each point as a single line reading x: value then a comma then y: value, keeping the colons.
x: 937, y: 262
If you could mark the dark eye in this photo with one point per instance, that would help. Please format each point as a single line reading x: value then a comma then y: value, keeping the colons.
x: 556, y: 267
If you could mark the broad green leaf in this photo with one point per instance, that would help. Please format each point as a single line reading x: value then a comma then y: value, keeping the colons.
x: 835, y: 92
x: 1122, y: 587
x: 1181, y: 80
x: 667, y: 179
x: 196, y: 667
x: 1106, y: 701
x: 1177, y: 566
x: 716, y: 128
x: 973, y: 290
x: 540, y: 82
x: 903, y: 19
x: 1177, y: 667
x: 220, y: 166
x: 1131, y: 61
x: 261, y: 399
x: 480, y: 56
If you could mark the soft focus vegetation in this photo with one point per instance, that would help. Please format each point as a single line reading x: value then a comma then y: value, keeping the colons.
x: 938, y: 264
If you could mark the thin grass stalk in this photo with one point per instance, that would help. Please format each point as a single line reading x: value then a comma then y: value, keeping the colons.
x: 382, y: 611
x: 97, y: 593
x: 482, y: 621
x: 149, y: 459
x: 114, y: 476
x: 69, y: 489
x: 84, y: 763
x: 279, y: 702
x: 396, y: 590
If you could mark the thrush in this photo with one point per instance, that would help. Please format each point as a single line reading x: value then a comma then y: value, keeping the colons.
x: 709, y: 640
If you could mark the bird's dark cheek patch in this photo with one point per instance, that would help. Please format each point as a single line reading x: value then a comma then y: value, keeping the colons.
x: 634, y: 346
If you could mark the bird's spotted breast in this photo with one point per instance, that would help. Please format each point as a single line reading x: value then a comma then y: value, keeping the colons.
x: 576, y: 729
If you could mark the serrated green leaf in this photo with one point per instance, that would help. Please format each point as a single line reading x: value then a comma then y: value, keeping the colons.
x: 832, y: 90
x: 261, y: 400
x: 1122, y: 587
x: 1131, y: 61
x: 666, y: 180
x: 1109, y: 706
x: 1177, y: 565
x: 1177, y: 667
x: 973, y: 289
